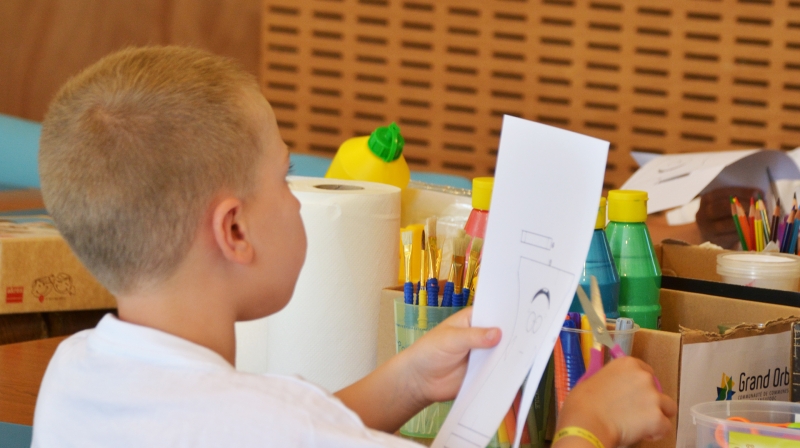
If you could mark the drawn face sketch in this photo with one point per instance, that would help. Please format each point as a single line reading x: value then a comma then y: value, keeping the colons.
x: 538, y: 285
x: 41, y: 286
x: 63, y: 284
x: 539, y: 305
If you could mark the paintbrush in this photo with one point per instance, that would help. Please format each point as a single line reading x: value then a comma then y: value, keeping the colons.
x: 408, y: 245
x: 433, y: 262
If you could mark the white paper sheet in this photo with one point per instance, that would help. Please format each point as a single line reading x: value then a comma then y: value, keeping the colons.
x: 548, y: 183
x: 674, y: 180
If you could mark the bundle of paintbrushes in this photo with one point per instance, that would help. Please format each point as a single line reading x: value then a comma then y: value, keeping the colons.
x: 757, y: 231
x: 459, y: 289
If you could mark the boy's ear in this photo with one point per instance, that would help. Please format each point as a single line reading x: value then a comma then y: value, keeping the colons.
x: 230, y: 231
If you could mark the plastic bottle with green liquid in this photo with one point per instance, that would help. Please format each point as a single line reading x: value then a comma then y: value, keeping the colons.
x: 632, y: 249
x: 374, y: 158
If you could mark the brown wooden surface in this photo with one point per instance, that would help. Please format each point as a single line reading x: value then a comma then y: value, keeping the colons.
x: 22, y: 367
x: 647, y: 75
x: 28, y: 199
x: 44, y: 42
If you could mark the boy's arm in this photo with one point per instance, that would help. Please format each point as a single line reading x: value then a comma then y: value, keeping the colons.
x: 432, y: 369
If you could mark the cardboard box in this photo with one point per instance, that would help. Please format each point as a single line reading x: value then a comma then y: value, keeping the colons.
x: 689, y: 328
x: 15, y: 200
x: 39, y: 272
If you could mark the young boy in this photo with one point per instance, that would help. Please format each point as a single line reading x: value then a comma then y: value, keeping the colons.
x: 164, y: 169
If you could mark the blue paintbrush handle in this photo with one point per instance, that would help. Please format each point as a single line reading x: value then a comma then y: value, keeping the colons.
x: 447, y: 295
x: 433, y: 292
x: 408, y: 293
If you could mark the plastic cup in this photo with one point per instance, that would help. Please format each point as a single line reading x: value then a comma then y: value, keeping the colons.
x: 622, y: 337
x: 713, y: 427
x: 411, y: 322
x: 760, y: 270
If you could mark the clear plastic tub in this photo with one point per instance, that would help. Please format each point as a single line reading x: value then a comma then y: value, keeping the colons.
x: 714, y: 429
x: 760, y: 270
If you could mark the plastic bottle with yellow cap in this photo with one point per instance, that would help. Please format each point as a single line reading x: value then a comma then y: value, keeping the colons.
x: 374, y: 158
x: 481, y: 200
x: 600, y: 264
x: 632, y: 249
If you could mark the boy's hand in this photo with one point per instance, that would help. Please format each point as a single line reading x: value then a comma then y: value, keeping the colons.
x: 437, y: 362
x: 432, y: 369
x: 620, y: 405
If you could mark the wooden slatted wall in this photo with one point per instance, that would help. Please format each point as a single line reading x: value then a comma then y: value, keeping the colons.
x: 647, y: 75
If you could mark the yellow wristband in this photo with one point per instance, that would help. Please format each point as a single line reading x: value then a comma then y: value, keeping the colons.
x: 580, y: 432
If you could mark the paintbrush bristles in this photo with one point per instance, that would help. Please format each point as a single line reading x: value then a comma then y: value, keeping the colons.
x: 408, y: 238
x: 460, y: 244
x: 477, y: 246
x: 472, y: 261
x: 408, y: 244
x: 433, y: 247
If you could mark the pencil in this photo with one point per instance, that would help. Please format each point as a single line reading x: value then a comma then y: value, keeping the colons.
x: 502, y: 433
x: 751, y: 219
x: 738, y: 225
x: 759, y: 236
x: 526, y: 437
x: 760, y: 207
x: 744, y: 223
x: 790, y: 228
x: 776, y: 219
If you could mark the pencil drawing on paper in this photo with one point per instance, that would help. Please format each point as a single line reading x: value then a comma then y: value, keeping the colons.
x: 537, y: 281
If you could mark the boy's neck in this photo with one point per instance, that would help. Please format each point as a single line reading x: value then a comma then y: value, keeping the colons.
x: 190, y: 305
x: 209, y: 329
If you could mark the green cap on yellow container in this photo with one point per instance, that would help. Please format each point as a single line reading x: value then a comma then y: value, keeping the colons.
x: 601, y: 215
x: 386, y: 142
x: 627, y: 206
x: 482, y: 192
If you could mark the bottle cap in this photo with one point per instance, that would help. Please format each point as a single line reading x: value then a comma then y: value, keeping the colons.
x: 627, y: 206
x: 482, y: 192
x: 386, y: 142
x: 601, y: 215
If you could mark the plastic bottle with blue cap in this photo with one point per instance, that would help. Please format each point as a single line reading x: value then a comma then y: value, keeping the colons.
x: 600, y: 264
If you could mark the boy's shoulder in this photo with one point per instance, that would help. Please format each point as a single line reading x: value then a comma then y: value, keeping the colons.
x: 129, y: 382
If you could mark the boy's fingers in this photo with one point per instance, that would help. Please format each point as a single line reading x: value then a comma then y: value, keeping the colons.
x: 470, y: 338
x: 668, y: 406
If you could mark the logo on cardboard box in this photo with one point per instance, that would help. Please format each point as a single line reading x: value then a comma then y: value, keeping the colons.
x: 725, y: 391
x: 55, y: 286
x: 14, y: 294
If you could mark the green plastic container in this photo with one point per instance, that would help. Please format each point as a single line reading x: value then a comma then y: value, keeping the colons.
x: 408, y: 328
x: 411, y: 322
x: 635, y: 258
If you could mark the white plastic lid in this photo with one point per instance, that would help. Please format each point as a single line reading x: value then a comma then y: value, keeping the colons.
x: 758, y: 265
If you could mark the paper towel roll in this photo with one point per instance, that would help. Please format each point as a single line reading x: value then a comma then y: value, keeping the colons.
x: 328, y: 331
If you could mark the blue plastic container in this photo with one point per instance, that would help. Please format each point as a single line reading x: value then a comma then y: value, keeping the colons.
x: 600, y: 264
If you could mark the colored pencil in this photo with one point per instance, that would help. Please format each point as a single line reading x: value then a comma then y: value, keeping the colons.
x: 776, y: 219
x: 738, y: 225
x: 744, y: 224
x: 751, y: 219
x: 526, y: 437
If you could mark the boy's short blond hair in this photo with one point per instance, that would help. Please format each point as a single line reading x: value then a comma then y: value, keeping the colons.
x: 133, y: 151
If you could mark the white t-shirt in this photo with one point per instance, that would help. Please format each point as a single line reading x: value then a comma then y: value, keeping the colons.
x: 122, y: 385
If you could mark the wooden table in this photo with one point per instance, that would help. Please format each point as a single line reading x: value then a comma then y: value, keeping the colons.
x: 22, y: 367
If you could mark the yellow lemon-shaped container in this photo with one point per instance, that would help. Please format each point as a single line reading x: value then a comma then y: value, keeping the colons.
x: 376, y: 158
